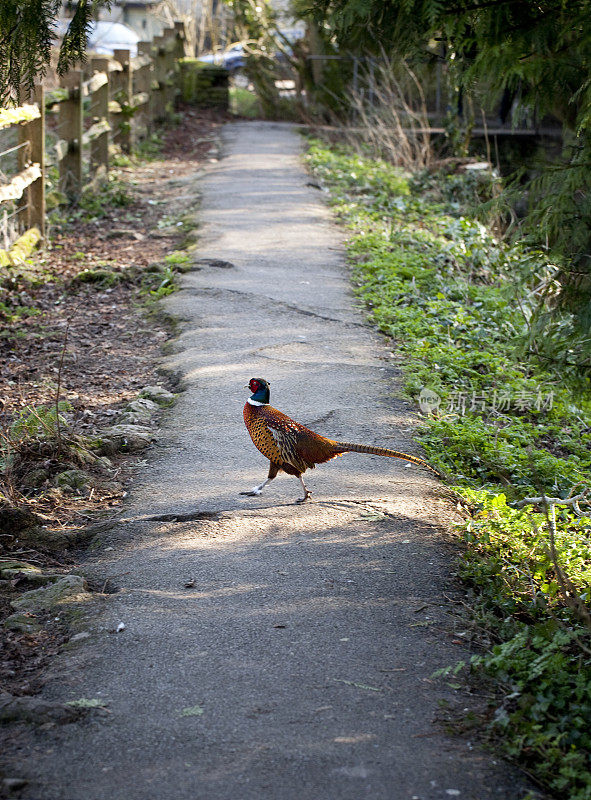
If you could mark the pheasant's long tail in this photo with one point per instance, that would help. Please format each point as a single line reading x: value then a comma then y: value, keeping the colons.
x: 348, y: 447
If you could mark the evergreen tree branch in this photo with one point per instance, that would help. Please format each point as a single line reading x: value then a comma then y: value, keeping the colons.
x: 27, y: 36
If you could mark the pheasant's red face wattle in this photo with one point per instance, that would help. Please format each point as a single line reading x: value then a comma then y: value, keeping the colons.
x: 254, y: 385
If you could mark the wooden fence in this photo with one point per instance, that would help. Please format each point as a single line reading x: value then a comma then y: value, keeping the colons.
x: 116, y: 100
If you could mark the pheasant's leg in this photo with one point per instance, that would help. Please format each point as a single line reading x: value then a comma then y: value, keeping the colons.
x: 273, y: 470
x: 307, y: 493
x: 257, y: 489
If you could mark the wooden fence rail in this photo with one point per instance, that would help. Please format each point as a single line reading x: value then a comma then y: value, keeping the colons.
x: 117, y: 102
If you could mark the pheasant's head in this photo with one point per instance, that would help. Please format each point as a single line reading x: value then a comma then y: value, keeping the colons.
x: 260, y: 390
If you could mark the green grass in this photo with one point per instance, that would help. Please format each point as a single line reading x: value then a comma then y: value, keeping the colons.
x: 150, y: 148
x: 244, y: 103
x: 98, y: 203
x: 161, y: 283
x: 459, y: 307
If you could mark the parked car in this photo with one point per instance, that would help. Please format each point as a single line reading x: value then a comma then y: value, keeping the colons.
x: 104, y: 37
x: 232, y: 59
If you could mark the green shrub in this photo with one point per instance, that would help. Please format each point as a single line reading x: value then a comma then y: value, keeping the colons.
x: 514, y: 420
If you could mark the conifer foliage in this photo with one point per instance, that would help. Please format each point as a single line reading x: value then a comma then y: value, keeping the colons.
x: 27, y: 33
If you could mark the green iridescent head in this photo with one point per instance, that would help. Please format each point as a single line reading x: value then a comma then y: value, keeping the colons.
x: 260, y: 390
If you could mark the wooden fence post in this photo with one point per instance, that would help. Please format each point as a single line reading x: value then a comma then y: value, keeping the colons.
x: 116, y: 80
x: 124, y: 97
x: 169, y: 70
x: 153, y: 78
x: 179, y: 52
x: 181, y: 40
x: 70, y: 130
x: 23, y: 160
x: 159, y: 76
x: 99, y: 107
x: 144, y: 80
x: 37, y: 140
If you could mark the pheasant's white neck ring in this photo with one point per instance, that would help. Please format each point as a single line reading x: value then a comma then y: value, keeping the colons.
x: 255, y: 402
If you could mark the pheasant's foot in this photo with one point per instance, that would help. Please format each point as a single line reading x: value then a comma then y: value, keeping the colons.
x: 305, y: 498
x: 307, y: 493
x: 257, y: 489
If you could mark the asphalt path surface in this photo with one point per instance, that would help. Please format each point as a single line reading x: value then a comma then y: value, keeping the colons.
x: 298, y: 666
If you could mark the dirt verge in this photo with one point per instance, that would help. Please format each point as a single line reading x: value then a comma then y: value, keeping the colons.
x: 79, y: 325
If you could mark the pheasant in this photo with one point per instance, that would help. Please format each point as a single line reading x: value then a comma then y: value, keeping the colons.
x: 293, y: 448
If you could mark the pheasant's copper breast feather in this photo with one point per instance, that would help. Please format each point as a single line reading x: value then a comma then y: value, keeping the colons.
x: 285, y: 442
x: 295, y: 448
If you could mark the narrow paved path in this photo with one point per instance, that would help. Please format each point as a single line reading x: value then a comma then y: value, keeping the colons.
x: 305, y: 648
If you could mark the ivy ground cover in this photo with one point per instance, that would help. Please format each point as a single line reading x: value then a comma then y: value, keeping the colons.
x: 503, y: 424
